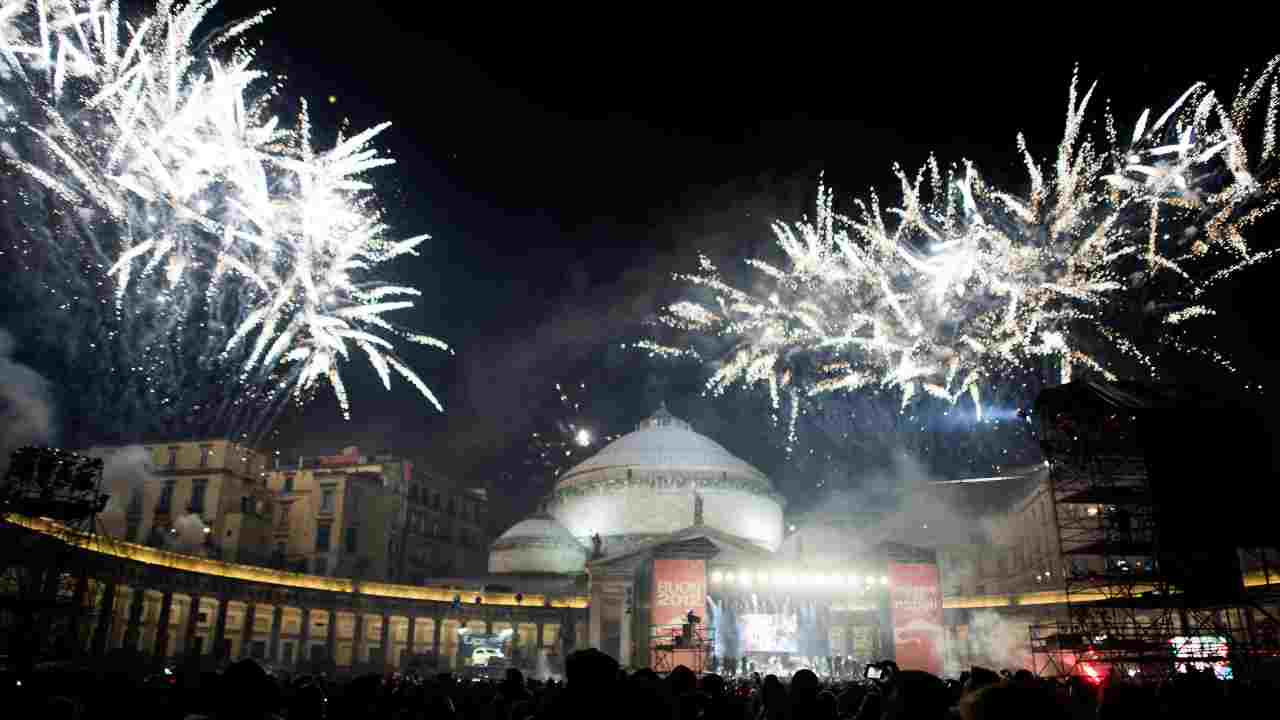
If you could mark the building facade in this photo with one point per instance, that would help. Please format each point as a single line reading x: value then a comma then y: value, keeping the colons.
x: 375, y: 517
x: 207, y: 497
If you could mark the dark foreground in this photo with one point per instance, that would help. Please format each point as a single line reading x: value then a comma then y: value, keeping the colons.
x: 595, y: 688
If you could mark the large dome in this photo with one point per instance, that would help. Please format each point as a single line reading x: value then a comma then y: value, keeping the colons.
x: 659, y: 479
x: 537, y: 544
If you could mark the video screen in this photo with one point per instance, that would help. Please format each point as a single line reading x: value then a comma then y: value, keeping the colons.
x: 769, y: 633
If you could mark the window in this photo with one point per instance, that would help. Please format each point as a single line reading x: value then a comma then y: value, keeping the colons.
x: 327, y: 494
x: 288, y: 483
x: 166, y: 496
x: 173, y: 458
x: 204, y: 455
x: 322, y: 536
x: 349, y: 540
x: 197, y: 495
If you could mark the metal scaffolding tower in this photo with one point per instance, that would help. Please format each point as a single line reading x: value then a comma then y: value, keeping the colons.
x: 1137, y: 603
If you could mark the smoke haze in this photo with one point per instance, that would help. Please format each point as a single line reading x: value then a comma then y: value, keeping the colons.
x: 26, y: 405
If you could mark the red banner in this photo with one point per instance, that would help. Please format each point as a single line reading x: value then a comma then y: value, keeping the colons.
x: 916, y: 600
x: 679, y: 586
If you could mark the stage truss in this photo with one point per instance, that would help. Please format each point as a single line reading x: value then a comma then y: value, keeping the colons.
x: 1125, y: 615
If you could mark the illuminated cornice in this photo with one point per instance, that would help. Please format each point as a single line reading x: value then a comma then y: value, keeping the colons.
x: 113, y: 547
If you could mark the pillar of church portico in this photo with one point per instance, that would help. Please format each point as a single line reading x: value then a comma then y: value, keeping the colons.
x: 595, y: 634
x: 628, y: 619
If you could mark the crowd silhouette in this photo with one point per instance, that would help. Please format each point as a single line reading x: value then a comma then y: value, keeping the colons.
x: 595, y: 687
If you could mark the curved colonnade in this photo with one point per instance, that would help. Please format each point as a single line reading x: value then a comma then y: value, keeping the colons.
x: 113, y: 594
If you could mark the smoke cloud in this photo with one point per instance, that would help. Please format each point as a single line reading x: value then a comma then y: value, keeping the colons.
x: 26, y: 405
x: 124, y: 472
x: 999, y: 643
x: 189, y: 532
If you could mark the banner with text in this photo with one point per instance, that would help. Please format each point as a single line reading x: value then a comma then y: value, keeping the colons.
x: 916, y: 600
x: 679, y: 586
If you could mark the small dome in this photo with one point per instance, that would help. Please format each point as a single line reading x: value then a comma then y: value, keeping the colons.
x: 537, y: 544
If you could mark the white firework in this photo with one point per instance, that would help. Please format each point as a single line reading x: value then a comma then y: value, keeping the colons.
x: 177, y: 152
x: 962, y: 282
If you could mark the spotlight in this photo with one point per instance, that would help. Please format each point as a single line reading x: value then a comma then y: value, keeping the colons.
x: 884, y: 580
x: 762, y: 577
x: 717, y: 576
x: 853, y: 579
x: 744, y: 578
x: 728, y: 577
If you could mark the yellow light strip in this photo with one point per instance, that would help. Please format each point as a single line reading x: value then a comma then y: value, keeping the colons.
x: 251, y: 573
x: 188, y: 563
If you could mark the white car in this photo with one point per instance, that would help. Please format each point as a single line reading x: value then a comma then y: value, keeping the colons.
x: 481, y: 656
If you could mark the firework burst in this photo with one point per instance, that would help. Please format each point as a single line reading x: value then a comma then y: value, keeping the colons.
x: 569, y: 436
x: 961, y: 283
x: 226, y: 239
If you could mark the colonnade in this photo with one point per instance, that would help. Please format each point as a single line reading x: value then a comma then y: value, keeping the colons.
x: 168, y: 624
x: 223, y: 612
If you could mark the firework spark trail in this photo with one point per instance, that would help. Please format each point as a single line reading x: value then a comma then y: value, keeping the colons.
x: 570, y: 436
x: 961, y: 282
x: 221, y: 224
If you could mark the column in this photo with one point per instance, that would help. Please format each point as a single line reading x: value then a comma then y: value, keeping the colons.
x: 413, y: 629
x: 162, y: 626
x: 132, y: 629
x: 106, y: 611
x: 246, y: 632
x: 220, y: 629
x: 77, y: 613
x: 386, y: 640
x: 624, y: 627
x: 435, y: 637
x: 193, y: 619
x: 540, y: 624
x: 488, y: 626
x: 331, y: 641
x: 273, y: 647
x: 304, y: 637
x: 596, y: 609
x: 357, y: 638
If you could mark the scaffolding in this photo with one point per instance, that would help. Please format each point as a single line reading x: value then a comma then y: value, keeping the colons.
x: 688, y: 644
x: 1127, y: 612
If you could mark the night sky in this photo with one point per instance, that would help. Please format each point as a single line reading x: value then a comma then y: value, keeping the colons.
x: 566, y: 166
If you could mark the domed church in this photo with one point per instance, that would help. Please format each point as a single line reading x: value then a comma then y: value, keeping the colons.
x: 642, y: 518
